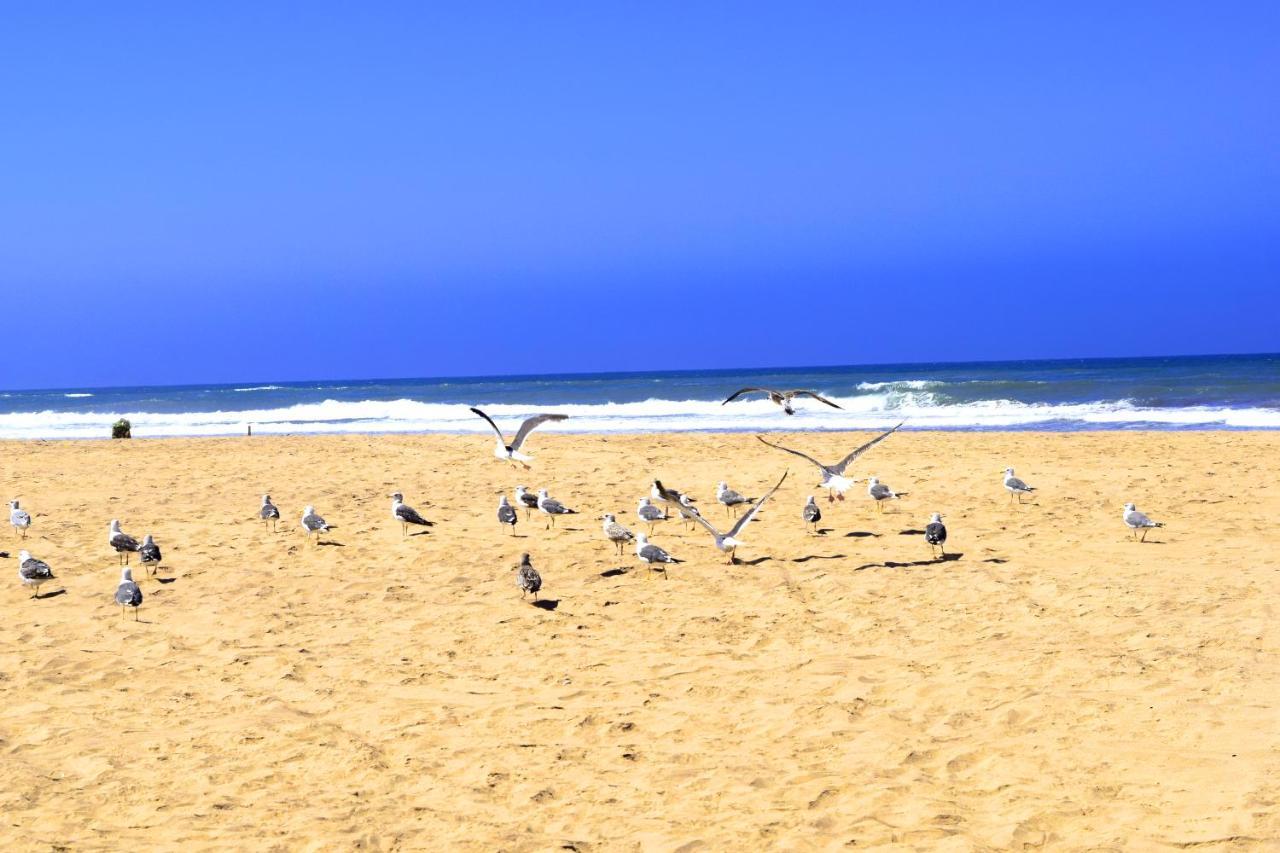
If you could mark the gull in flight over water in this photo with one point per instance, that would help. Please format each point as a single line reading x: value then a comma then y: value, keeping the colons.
x: 833, y: 478
x: 729, y: 542
x: 511, y: 452
x: 781, y: 398
x: 1138, y: 521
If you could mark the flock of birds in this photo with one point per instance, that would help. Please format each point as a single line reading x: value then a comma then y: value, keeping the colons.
x: 741, y: 509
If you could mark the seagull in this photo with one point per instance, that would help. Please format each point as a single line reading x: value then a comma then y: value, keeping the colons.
x: 507, y: 514
x: 406, y: 514
x: 811, y: 513
x: 935, y: 533
x: 881, y: 492
x: 128, y: 594
x: 511, y: 452
x: 269, y: 512
x: 833, y: 478
x: 19, y: 518
x: 688, y: 511
x: 659, y: 492
x: 33, y: 572
x: 1139, y: 521
x: 616, y: 533
x: 149, y: 555
x: 552, y: 508
x: 122, y: 542
x: 313, y: 523
x: 781, y: 398
x: 731, y: 499
x: 1015, y: 485
x: 527, y: 578
x: 649, y: 514
x: 650, y: 554
x: 729, y: 542
x: 526, y: 499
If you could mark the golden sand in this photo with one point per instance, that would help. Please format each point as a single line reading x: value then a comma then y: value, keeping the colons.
x: 1056, y: 685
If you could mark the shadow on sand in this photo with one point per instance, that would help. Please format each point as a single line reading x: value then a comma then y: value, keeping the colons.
x: 890, y: 564
x: 547, y: 603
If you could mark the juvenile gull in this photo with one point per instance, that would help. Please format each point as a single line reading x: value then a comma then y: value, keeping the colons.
x: 552, y: 507
x: 406, y: 514
x: 935, y: 533
x: 19, y: 518
x: 729, y: 542
x: 732, y: 500
x: 149, y: 555
x: 833, y: 478
x: 526, y: 499
x: 616, y: 533
x: 511, y: 452
x: 1138, y: 521
x: 811, y: 513
x: 313, y: 523
x: 527, y: 578
x: 881, y: 492
x: 269, y: 512
x: 1015, y: 486
x: 507, y: 514
x: 652, y: 554
x: 122, y: 542
x: 781, y: 398
x: 127, y: 593
x: 33, y: 572
x: 649, y: 514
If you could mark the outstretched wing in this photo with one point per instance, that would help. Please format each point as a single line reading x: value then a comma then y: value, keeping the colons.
x: 751, y: 513
x: 736, y: 394
x: 815, y: 395
x: 529, y: 425
x: 501, y: 438
x: 798, y: 453
x: 844, y: 463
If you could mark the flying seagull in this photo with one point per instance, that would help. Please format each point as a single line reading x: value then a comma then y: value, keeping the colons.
x: 511, y: 452
x: 406, y: 514
x: 33, y: 572
x: 552, y: 507
x: 149, y: 555
x: 122, y: 542
x: 527, y: 578
x: 781, y: 398
x: 313, y: 523
x: 729, y: 542
x: 616, y: 533
x: 652, y: 554
x: 811, y: 513
x: 833, y: 478
x: 649, y: 514
x: 128, y: 594
x: 1015, y: 485
x: 659, y: 492
x: 1138, y: 521
x: 507, y: 514
x: 935, y: 533
x: 880, y: 492
x: 19, y: 518
x: 732, y: 500
x: 269, y: 512
x: 526, y: 499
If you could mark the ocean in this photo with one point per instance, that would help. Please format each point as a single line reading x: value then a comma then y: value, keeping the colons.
x: 1173, y: 393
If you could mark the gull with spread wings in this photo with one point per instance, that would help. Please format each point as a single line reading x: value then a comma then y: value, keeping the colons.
x: 729, y: 542
x: 833, y: 478
x: 511, y: 452
x: 781, y: 398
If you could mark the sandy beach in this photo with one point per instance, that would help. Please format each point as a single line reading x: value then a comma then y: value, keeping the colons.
x: 1055, y: 685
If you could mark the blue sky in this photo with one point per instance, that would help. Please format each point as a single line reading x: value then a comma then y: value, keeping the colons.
x: 233, y: 191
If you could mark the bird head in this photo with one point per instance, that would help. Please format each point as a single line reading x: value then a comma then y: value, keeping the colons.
x: 937, y: 516
x: 126, y: 575
x: 23, y: 556
x: 1129, y: 507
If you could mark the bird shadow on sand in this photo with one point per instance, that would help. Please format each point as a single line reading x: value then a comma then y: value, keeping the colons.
x: 547, y: 603
x: 818, y: 557
x: 326, y: 544
x: 912, y: 532
x: 757, y: 561
x: 997, y: 560
x: 163, y: 580
x: 890, y: 564
x: 41, y: 596
x: 860, y: 534
x: 613, y: 573
x: 419, y: 533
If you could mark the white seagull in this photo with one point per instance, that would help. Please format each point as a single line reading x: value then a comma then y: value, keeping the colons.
x: 19, y: 518
x: 1015, y: 486
x: 313, y: 523
x: 833, y: 478
x: 935, y: 533
x: 649, y: 514
x: 651, y: 555
x: 729, y: 542
x: 552, y: 507
x: 33, y: 572
x: 269, y: 512
x: 507, y: 514
x: 149, y: 555
x: 781, y: 398
x: 526, y: 499
x: 406, y: 514
x: 811, y: 513
x: 511, y: 452
x: 732, y: 500
x: 128, y: 594
x: 1138, y: 521
x: 880, y: 492
x: 122, y: 542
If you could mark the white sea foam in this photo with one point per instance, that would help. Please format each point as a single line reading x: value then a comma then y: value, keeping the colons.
x: 75, y: 396
x: 260, y: 388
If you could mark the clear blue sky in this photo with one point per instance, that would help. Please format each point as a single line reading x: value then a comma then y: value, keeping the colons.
x: 232, y: 191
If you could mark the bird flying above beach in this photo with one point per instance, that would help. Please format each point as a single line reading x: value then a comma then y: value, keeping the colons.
x: 511, y: 452
x: 811, y: 513
x: 122, y: 542
x: 652, y: 555
x: 527, y: 577
x: 880, y: 492
x: 269, y: 512
x: 19, y: 518
x: 33, y: 572
x: 1139, y: 521
x: 781, y: 398
x: 1015, y: 486
x: 833, y: 478
x: 616, y: 533
x: 149, y: 556
x: 935, y: 533
x: 729, y: 542
x: 507, y: 514
x: 732, y: 500
x: 552, y: 507
x: 128, y: 595
x: 406, y: 514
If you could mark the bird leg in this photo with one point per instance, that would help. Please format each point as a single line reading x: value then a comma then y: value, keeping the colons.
x: 1144, y: 535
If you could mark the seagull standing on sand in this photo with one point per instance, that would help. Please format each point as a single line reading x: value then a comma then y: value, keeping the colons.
x: 616, y: 533
x: 729, y: 542
x: 507, y: 514
x: 19, y: 518
x: 1138, y: 521
x: 122, y: 542
x: 650, y: 514
x: 313, y: 523
x: 833, y: 478
x: 1015, y: 486
x: 406, y: 514
x: 269, y: 512
x: 149, y: 555
x: 732, y: 500
x: 527, y: 578
x: 526, y: 499
x: 651, y: 555
x: 781, y: 398
x: 33, y: 572
x: 552, y: 507
x: 935, y: 533
x: 511, y: 452
x: 880, y: 492
x: 128, y: 594
x: 811, y: 513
